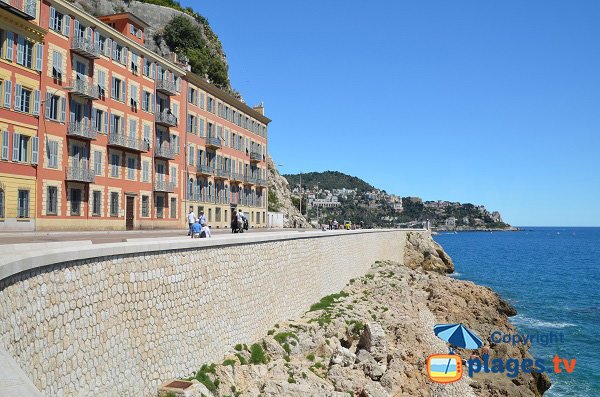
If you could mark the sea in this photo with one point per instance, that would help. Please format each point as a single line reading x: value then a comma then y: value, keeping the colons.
x: 551, y: 275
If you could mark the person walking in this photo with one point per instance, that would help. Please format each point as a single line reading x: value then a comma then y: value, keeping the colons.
x: 233, y: 221
x: 191, y: 217
x: 240, y: 222
x: 202, y: 218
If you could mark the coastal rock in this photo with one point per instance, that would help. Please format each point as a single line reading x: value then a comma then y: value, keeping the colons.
x: 279, y: 188
x: 343, y: 357
x: 422, y: 251
x: 373, y: 340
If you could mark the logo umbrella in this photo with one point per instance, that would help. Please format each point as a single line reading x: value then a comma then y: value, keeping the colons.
x: 457, y: 335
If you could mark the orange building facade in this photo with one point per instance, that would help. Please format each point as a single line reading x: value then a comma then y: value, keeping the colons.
x: 121, y: 138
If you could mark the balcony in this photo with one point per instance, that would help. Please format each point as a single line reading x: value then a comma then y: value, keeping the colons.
x: 164, y: 186
x: 122, y: 141
x: 83, y: 47
x: 213, y: 142
x: 262, y: 182
x: 166, y: 87
x: 83, y: 89
x: 166, y: 119
x: 234, y: 176
x: 250, y: 180
x: 204, y: 169
x: 255, y: 157
x: 79, y: 174
x: 221, y: 174
x: 81, y: 129
x: 164, y: 151
x: 24, y: 9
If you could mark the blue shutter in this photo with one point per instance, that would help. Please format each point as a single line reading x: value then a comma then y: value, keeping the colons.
x: 17, y: 97
x: 106, y: 122
x: 114, y: 51
x: 94, y: 115
x: 153, y: 103
x: 144, y: 101
x: 10, y: 44
x: 63, y: 109
x: 67, y: 27
x: 4, y: 145
x: 34, y: 149
x: 7, y: 93
x: 107, y: 47
x: 112, y: 88
x: 86, y: 114
x: 36, y: 102
x: 97, y: 40
x: 48, y: 98
x: 52, y: 17
x: 154, y: 71
x: 76, y: 28
x: 15, y: 155
x: 38, y: 57
x: 71, y: 111
x: 124, y: 56
x: 20, y: 45
x: 123, y: 89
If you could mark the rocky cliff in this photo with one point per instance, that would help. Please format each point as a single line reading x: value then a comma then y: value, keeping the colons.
x: 373, y: 338
x: 280, y: 198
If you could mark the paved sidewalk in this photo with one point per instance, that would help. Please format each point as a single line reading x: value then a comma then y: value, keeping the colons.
x: 102, y: 237
x: 13, y: 381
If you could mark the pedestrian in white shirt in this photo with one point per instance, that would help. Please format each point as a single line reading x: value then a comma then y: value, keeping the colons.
x: 191, y: 217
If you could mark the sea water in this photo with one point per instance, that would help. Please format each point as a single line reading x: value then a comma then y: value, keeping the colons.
x: 552, y: 277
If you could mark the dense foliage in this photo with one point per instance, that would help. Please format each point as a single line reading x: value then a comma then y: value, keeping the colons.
x: 329, y: 180
x: 185, y: 37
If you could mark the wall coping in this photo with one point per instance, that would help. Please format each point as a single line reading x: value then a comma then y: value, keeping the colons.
x: 18, y: 261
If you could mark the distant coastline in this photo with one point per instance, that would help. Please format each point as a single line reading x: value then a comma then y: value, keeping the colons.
x: 476, y: 229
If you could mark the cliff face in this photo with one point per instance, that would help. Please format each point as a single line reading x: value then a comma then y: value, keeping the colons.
x: 280, y: 198
x: 373, y: 339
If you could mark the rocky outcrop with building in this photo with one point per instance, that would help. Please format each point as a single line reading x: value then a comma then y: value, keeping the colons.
x: 373, y: 339
x: 280, y: 199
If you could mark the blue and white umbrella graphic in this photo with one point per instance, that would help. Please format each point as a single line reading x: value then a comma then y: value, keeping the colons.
x: 457, y: 335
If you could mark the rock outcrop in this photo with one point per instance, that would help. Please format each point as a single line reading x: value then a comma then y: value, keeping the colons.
x: 280, y: 190
x: 422, y: 251
x: 373, y: 339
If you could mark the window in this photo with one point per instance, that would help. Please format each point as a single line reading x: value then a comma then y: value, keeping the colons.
x: 57, y: 62
x: 217, y: 214
x: 99, y: 120
x: 173, y: 207
x: 52, y: 150
x: 118, y: 89
x: 130, y: 168
x: 116, y: 125
x: 101, y: 78
x: 1, y: 203
x: 145, y: 206
x: 201, y: 127
x: 23, y: 204
x: 24, y: 52
x: 160, y: 206
x: 147, y: 133
x: 174, y: 175
x: 191, y: 124
x: 145, y: 171
x: 114, y: 204
x: 75, y: 201
x: 51, y: 200
x: 114, y: 165
x: 191, y: 155
x: 202, y: 100
x: 96, y: 201
x: 146, y: 101
x: 119, y: 53
x: 25, y: 100
x: 211, y: 105
x: 133, y: 94
x: 20, y: 148
x: 192, y: 96
x: 97, y: 162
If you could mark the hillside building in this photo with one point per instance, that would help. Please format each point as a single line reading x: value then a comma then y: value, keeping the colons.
x: 98, y: 132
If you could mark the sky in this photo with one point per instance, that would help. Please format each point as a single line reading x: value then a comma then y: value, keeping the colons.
x: 488, y: 102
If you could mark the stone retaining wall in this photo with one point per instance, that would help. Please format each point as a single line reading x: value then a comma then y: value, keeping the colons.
x: 120, y: 325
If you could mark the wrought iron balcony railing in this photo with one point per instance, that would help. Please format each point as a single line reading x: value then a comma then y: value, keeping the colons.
x: 165, y: 118
x: 81, y: 129
x: 121, y: 140
x: 164, y: 186
x: 83, y: 89
x: 166, y: 87
x: 84, y: 48
x: 80, y: 174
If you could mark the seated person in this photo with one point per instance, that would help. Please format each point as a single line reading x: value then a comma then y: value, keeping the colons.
x: 205, y: 231
x: 196, y: 229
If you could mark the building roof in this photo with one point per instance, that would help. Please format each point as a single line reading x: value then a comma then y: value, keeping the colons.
x: 122, y: 15
x: 219, y: 93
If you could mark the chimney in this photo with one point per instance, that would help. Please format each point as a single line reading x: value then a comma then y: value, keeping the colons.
x: 260, y: 108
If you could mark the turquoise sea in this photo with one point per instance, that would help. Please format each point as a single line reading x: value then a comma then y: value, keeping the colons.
x: 552, y: 277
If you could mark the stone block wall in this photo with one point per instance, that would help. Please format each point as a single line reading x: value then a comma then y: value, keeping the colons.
x: 122, y: 325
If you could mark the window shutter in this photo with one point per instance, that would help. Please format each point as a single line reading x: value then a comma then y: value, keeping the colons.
x: 76, y: 28
x: 10, y: 43
x: 48, y: 98
x: 154, y: 71
x: 20, y: 45
x: 112, y: 88
x: 123, y: 89
x: 67, y: 27
x: 153, y: 102
x: 97, y: 40
x: 107, y: 47
x: 105, y: 122
x: 15, y: 155
x: 4, y: 145
x: 17, y: 97
x: 112, y: 124
x: 7, y: 93
x: 94, y: 116
x: 34, y: 149
x: 52, y: 17
x: 38, y: 57
x: 63, y: 109
x: 86, y: 114
x: 114, y: 51
x: 124, y: 56
x: 36, y: 102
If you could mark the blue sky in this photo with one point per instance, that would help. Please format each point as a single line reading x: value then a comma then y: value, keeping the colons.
x: 494, y: 103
